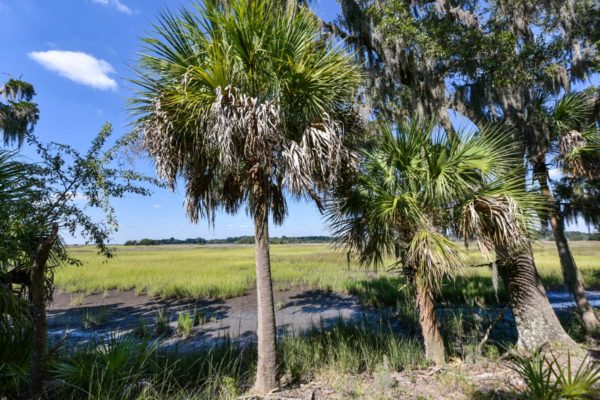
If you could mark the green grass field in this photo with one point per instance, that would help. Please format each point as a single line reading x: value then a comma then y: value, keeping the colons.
x: 228, y: 271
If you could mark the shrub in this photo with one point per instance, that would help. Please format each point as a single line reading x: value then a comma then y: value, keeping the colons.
x: 102, y: 372
x: 15, y: 346
x: 546, y: 379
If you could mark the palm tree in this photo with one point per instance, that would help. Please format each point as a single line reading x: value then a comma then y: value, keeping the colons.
x: 418, y: 184
x: 573, y: 146
x: 18, y: 115
x: 14, y: 311
x: 14, y: 191
x: 247, y: 102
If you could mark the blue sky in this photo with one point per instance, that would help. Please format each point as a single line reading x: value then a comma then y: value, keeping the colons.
x: 78, y: 54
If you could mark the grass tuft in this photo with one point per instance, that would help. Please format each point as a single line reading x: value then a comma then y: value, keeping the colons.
x: 95, y: 318
x: 185, y: 323
x: 163, y: 318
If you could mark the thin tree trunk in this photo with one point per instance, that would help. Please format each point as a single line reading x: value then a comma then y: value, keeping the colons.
x: 571, y: 275
x: 537, y: 324
x: 434, y: 344
x: 266, y: 370
x: 38, y: 308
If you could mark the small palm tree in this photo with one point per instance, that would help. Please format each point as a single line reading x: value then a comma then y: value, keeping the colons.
x: 247, y: 102
x: 18, y: 115
x: 14, y: 310
x: 416, y: 185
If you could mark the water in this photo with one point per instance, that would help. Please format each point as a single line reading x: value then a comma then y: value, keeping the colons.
x: 560, y: 300
x: 564, y: 300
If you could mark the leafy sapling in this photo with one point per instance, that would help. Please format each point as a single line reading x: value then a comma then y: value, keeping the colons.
x: 62, y: 188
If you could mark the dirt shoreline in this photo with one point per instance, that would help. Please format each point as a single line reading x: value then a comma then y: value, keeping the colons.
x: 122, y: 312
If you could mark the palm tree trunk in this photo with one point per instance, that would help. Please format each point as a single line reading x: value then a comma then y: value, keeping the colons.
x: 434, y: 345
x: 537, y: 324
x: 266, y: 370
x: 571, y: 275
x: 38, y: 308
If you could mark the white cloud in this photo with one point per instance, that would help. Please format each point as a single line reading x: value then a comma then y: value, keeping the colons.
x: 74, y: 196
x: 117, y: 4
x: 157, y: 206
x: 78, y: 67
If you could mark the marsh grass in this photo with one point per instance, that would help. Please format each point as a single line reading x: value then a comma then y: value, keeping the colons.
x: 95, y: 318
x: 77, y: 299
x: 463, y: 334
x: 142, y: 330
x: 129, y: 368
x: 228, y: 271
x: 163, y: 318
x: 216, y: 272
x: 199, y: 318
x: 185, y: 323
x: 349, y: 348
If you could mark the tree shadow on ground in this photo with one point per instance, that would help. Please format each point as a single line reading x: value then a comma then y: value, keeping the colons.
x: 318, y: 309
x: 318, y: 301
x: 495, y: 395
x: 87, y: 323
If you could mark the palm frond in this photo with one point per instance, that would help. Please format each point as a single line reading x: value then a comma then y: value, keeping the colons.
x: 434, y: 255
x: 579, y: 152
x: 238, y: 93
x: 571, y: 112
x: 416, y: 183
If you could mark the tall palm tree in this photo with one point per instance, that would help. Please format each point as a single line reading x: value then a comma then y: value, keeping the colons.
x: 418, y: 184
x: 247, y: 102
x: 18, y: 115
x: 572, y: 144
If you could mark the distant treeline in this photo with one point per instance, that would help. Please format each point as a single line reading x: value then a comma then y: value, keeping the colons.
x: 571, y: 235
x: 229, y: 240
